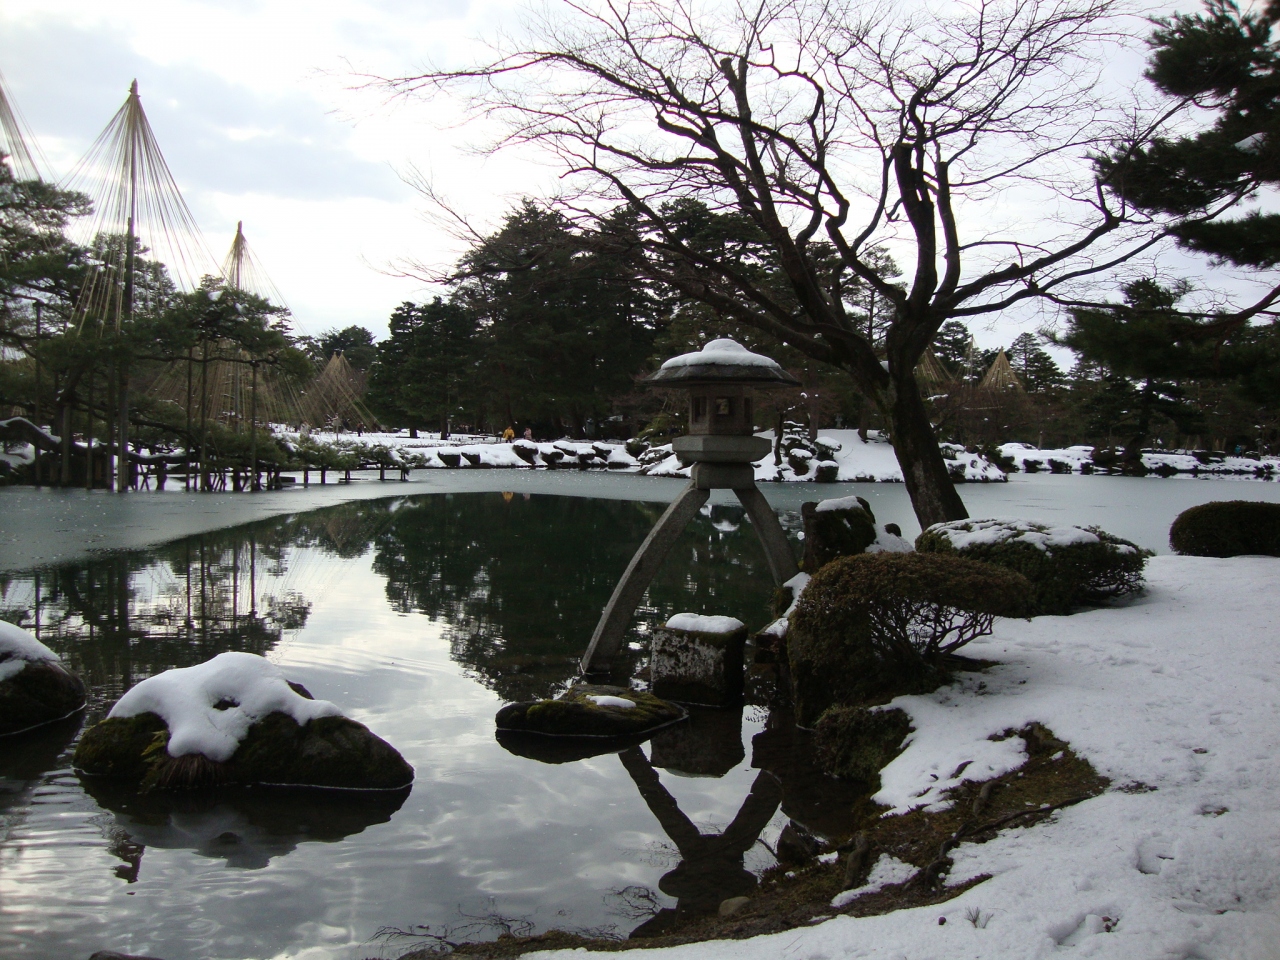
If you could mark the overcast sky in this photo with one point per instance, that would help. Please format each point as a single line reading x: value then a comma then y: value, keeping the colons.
x: 258, y: 108
x: 254, y: 107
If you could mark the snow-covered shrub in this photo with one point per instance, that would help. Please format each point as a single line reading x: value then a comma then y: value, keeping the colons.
x: 878, y: 624
x: 856, y: 743
x: 1227, y: 528
x: 1066, y: 566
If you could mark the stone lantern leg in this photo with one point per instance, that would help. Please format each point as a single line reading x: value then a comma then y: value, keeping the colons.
x: 722, y: 446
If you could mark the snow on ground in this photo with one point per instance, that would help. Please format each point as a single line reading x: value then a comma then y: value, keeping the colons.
x: 1175, y: 696
x: 1072, y: 459
x: 18, y: 648
x: 859, y: 461
x: 210, y: 707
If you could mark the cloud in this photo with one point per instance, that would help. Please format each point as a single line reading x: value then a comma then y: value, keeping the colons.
x: 216, y: 135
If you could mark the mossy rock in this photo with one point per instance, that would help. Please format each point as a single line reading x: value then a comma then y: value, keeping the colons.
x: 326, y: 752
x: 1063, y: 576
x: 1227, y: 528
x: 575, y: 714
x: 41, y: 692
x: 829, y: 534
x: 856, y: 743
x: 875, y: 625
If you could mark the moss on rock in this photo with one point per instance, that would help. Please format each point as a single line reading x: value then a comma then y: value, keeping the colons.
x: 325, y: 752
x: 576, y: 714
x: 829, y: 533
x: 856, y: 743
x: 41, y: 692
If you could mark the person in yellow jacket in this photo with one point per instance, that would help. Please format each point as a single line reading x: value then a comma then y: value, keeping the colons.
x: 508, y: 434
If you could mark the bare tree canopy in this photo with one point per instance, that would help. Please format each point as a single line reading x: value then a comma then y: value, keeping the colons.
x: 960, y: 137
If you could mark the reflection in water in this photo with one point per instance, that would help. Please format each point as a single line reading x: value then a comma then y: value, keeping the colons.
x: 243, y: 827
x: 711, y: 864
x: 417, y: 614
x: 521, y: 587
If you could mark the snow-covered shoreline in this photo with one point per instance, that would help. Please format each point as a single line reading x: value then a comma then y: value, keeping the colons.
x: 1079, y: 459
x: 1175, y: 697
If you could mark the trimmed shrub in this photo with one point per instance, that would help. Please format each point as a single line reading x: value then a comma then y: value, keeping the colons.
x: 1227, y: 528
x: 1066, y: 566
x: 878, y: 624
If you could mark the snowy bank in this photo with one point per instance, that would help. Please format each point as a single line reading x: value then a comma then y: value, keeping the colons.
x: 1079, y: 459
x: 1175, y: 697
x: 854, y: 461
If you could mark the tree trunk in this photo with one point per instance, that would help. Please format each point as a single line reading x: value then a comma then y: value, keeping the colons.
x: 933, y: 494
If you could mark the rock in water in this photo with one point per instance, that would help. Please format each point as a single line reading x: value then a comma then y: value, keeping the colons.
x: 235, y: 720
x: 699, y: 659
x: 591, y: 710
x: 836, y: 528
x: 35, y: 688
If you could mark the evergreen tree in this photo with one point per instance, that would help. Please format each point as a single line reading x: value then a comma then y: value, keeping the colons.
x: 1228, y: 62
x: 565, y: 326
x: 1142, y: 354
x: 1034, y: 367
x: 353, y: 342
x: 951, y: 346
x: 426, y: 369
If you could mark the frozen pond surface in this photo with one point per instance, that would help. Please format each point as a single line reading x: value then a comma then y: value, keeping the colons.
x: 39, y: 527
x: 420, y: 616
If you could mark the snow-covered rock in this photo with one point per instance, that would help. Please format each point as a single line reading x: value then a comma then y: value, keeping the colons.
x: 235, y: 719
x: 35, y: 688
x: 699, y: 623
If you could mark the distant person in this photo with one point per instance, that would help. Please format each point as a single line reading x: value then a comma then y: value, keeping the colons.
x: 508, y: 434
x: 528, y: 433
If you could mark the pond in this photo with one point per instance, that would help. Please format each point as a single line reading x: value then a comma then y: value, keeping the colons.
x: 418, y: 616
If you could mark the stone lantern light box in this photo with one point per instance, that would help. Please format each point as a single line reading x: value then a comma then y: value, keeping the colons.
x: 720, y: 380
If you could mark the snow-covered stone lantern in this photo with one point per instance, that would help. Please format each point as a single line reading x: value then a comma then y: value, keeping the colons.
x: 721, y: 445
x: 721, y: 379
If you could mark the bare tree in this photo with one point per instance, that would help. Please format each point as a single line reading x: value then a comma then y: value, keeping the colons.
x: 959, y: 137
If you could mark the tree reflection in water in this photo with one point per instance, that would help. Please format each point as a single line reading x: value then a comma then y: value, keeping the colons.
x: 519, y: 583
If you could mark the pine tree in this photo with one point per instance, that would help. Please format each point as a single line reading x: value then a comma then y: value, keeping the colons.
x: 1226, y: 61
x: 1034, y: 367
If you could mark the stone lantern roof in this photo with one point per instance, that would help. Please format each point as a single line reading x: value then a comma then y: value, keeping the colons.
x: 722, y: 361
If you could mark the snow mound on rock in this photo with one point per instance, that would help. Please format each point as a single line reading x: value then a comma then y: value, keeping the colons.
x: 697, y: 623
x: 18, y: 648
x: 210, y: 707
